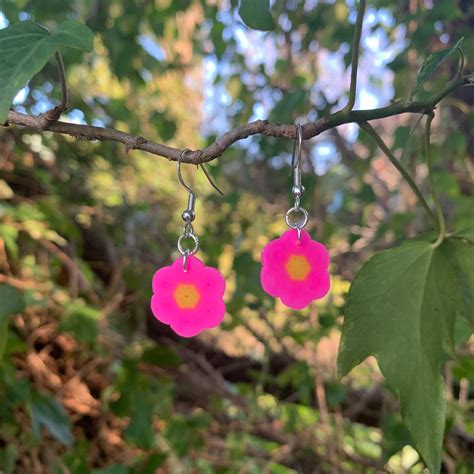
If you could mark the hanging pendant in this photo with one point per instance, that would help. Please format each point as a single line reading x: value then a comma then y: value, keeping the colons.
x: 188, y: 297
x: 295, y: 269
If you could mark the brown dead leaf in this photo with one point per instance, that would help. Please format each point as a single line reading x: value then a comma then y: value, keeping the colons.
x: 78, y: 399
x: 41, y: 373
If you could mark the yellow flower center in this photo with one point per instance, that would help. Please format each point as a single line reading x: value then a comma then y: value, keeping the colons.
x: 186, y: 296
x: 297, y: 267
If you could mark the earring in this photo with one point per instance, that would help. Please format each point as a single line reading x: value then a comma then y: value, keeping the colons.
x: 188, y: 295
x: 295, y: 267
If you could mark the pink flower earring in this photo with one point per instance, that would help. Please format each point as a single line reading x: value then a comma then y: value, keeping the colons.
x: 295, y: 267
x: 188, y: 295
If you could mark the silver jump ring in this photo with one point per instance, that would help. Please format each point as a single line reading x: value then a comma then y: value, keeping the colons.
x: 297, y: 225
x: 192, y: 251
x: 188, y: 229
x: 297, y: 203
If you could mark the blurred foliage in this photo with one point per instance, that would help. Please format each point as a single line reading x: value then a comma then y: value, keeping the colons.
x: 89, y: 381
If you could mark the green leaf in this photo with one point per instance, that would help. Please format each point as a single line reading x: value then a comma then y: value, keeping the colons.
x: 289, y: 106
x: 152, y: 463
x: 465, y: 234
x: 430, y: 65
x: 11, y: 302
x: 10, y: 237
x: 165, y: 127
x: 396, y: 436
x: 75, y: 460
x: 463, y: 262
x: 256, y: 14
x: 162, y: 356
x: 401, y: 309
x: 113, y: 469
x: 140, y: 429
x: 48, y: 412
x: 8, y: 458
x: 26, y: 47
x: 184, y: 433
x: 80, y: 320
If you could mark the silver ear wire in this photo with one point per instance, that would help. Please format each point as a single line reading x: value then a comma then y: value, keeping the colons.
x: 209, y: 178
x: 298, y: 141
x: 188, y: 217
x: 178, y: 166
x: 189, y: 213
x: 298, y: 188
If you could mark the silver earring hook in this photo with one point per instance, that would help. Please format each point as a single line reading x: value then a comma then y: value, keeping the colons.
x: 298, y: 188
x: 180, y: 176
x: 188, y: 217
x: 209, y: 178
x: 297, y: 217
x: 188, y: 214
x: 204, y: 169
x: 296, y: 156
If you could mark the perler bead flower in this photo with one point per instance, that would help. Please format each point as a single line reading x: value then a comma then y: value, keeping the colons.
x: 191, y: 301
x: 295, y: 271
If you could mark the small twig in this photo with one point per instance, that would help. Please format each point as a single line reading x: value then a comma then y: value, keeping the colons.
x: 54, y: 114
x: 62, y: 78
x: 412, y: 130
x: 320, y: 396
x: 434, y: 192
x: 463, y: 391
x: 403, y: 171
x: 355, y: 57
x: 461, y: 62
x: 24, y: 284
x: 72, y: 267
x: 360, y: 405
x: 331, y: 441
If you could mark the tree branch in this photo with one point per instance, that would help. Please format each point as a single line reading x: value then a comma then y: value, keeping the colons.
x: 216, y: 149
x: 355, y: 56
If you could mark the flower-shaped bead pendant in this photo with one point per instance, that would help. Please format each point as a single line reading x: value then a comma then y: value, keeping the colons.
x: 295, y: 270
x: 188, y: 301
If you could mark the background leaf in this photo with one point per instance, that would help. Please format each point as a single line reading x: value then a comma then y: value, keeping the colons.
x: 47, y: 411
x: 467, y: 234
x: 11, y: 302
x: 463, y: 262
x: 140, y: 429
x: 26, y: 47
x: 256, y: 14
x: 114, y: 469
x: 432, y: 62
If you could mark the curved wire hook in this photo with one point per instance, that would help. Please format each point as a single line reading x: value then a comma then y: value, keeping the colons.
x: 180, y: 176
x: 296, y: 157
x: 208, y: 176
